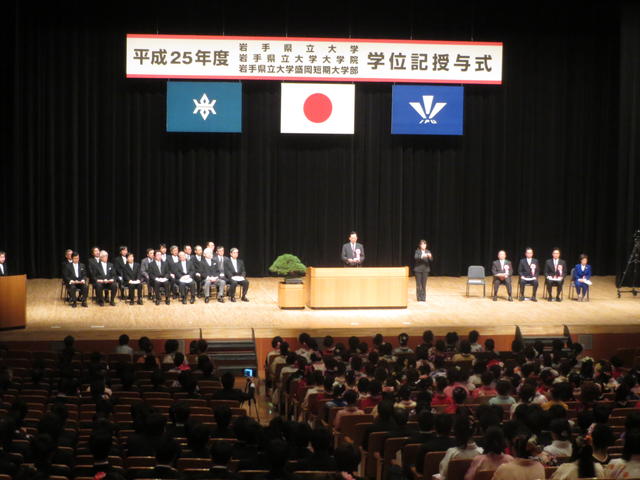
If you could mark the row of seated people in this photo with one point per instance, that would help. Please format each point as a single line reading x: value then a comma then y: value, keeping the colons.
x: 179, y: 274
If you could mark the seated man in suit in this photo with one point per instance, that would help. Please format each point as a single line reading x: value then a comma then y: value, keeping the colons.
x: 105, y: 280
x: 118, y: 263
x: 163, y: 250
x: 132, y: 278
x: 220, y: 272
x: 210, y: 276
x: 3, y: 264
x: 502, y: 272
x: 67, y: 258
x: 172, y: 259
x: 92, y: 263
x: 528, y: 269
x: 74, y: 275
x: 352, y: 252
x: 183, y: 273
x: 555, y: 269
x: 197, y: 259
x: 144, y: 268
x: 236, y: 275
x: 188, y: 251
x: 159, y: 278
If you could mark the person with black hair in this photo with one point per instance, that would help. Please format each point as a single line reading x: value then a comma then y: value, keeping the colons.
x: 228, y: 392
x: 440, y: 442
x: 321, y: 459
x: 464, y: 354
x: 222, y: 416
x: 476, y: 347
x: 247, y: 430
x: 523, y: 467
x: 197, y: 441
x: 347, y: 461
x: 146, y: 444
x: 278, y: 454
x: 178, y: 416
x: 100, y: 443
x: 167, y: 454
x: 384, y: 421
x: 493, y: 453
x: 403, y: 348
x: 351, y: 399
x: 123, y: 346
x: 561, y: 434
x: 629, y: 465
x: 464, y: 447
x: 486, y: 389
x: 602, y: 438
x: 220, y: 453
x: 581, y: 465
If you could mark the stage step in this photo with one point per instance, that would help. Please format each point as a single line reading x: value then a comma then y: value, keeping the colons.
x: 233, y: 355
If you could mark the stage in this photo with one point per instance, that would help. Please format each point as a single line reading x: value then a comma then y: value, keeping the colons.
x: 446, y: 309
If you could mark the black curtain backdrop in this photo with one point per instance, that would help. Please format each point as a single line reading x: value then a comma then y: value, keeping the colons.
x: 547, y: 159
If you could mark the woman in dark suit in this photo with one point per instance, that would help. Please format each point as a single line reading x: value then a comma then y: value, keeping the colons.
x: 422, y: 267
x: 582, y: 277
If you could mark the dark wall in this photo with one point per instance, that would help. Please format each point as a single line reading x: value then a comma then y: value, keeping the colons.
x: 87, y: 161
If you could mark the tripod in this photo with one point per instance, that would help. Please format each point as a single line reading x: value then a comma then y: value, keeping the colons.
x: 250, y: 390
x: 634, y: 259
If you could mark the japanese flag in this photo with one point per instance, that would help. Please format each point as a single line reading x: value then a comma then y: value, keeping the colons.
x: 317, y: 108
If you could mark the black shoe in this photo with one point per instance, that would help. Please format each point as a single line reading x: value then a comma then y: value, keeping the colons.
x: 550, y: 299
x: 244, y: 299
x: 139, y: 301
x: 534, y: 299
x: 157, y: 302
x: 101, y: 303
x: 132, y: 302
x: 84, y: 304
x: 193, y: 300
x: 206, y: 299
x: 558, y: 299
x: 495, y: 299
x: 73, y: 305
x: 112, y: 303
x: 184, y: 300
x: 521, y: 298
x: 167, y: 301
x: 510, y: 299
x: 233, y: 299
x: 221, y: 300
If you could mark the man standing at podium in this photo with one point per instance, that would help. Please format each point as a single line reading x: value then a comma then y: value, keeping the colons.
x: 3, y: 265
x: 352, y: 252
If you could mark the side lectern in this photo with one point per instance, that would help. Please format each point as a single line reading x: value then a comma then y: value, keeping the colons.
x: 13, y: 302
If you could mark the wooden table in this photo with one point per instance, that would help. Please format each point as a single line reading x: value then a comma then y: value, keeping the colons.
x: 357, y: 287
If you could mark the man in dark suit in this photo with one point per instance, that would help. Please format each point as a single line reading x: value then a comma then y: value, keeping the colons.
x: 502, y: 272
x: 67, y: 259
x: 118, y: 263
x: 220, y: 272
x: 197, y: 259
x: 3, y: 264
x: 74, y: 275
x: 92, y: 263
x: 159, y: 278
x: 555, y: 269
x: 132, y: 278
x: 105, y: 279
x: 172, y: 259
x: 528, y: 269
x: 183, y: 272
x: 144, y: 268
x: 423, y: 259
x: 234, y: 267
x: 352, y: 252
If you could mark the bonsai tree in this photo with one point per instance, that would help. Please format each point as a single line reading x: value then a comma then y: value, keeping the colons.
x: 288, y: 266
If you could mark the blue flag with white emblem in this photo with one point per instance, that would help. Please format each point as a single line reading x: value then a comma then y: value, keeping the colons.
x: 204, y: 107
x: 427, y: 110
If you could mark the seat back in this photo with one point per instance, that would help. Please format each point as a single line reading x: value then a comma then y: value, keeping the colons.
x: 476, y: 272
x: 348, y: 423
x: 457, y: 468
x: 484, y: 475
x: 432, y: 463
x: 374, y: 444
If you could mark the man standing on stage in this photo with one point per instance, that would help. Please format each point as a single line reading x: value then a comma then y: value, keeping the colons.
x: 352, y: 252
x: 502, y: 271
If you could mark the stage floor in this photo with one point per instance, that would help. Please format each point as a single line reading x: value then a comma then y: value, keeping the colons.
x: 447, y: 308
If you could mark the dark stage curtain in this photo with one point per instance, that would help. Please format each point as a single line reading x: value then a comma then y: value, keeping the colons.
x: 87, y: 160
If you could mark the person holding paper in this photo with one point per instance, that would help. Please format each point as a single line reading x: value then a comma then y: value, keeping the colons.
x: 502, y: 272
x: 236, y: 275
x: 184, y: 272
x: 423, y: 259
x: 74, y: 275
x: 93, y: 263
x: 528, y: 269
x: 555, y: 269
x: 352, y: 252
x: 159, y: 277
x: 132, y: 278
x: 210, y: 275
x: 582, y: 277
x: 105, y: 280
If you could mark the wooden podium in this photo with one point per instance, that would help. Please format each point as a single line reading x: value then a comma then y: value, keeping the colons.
x: 13, y: 301
x: 358, y: 287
